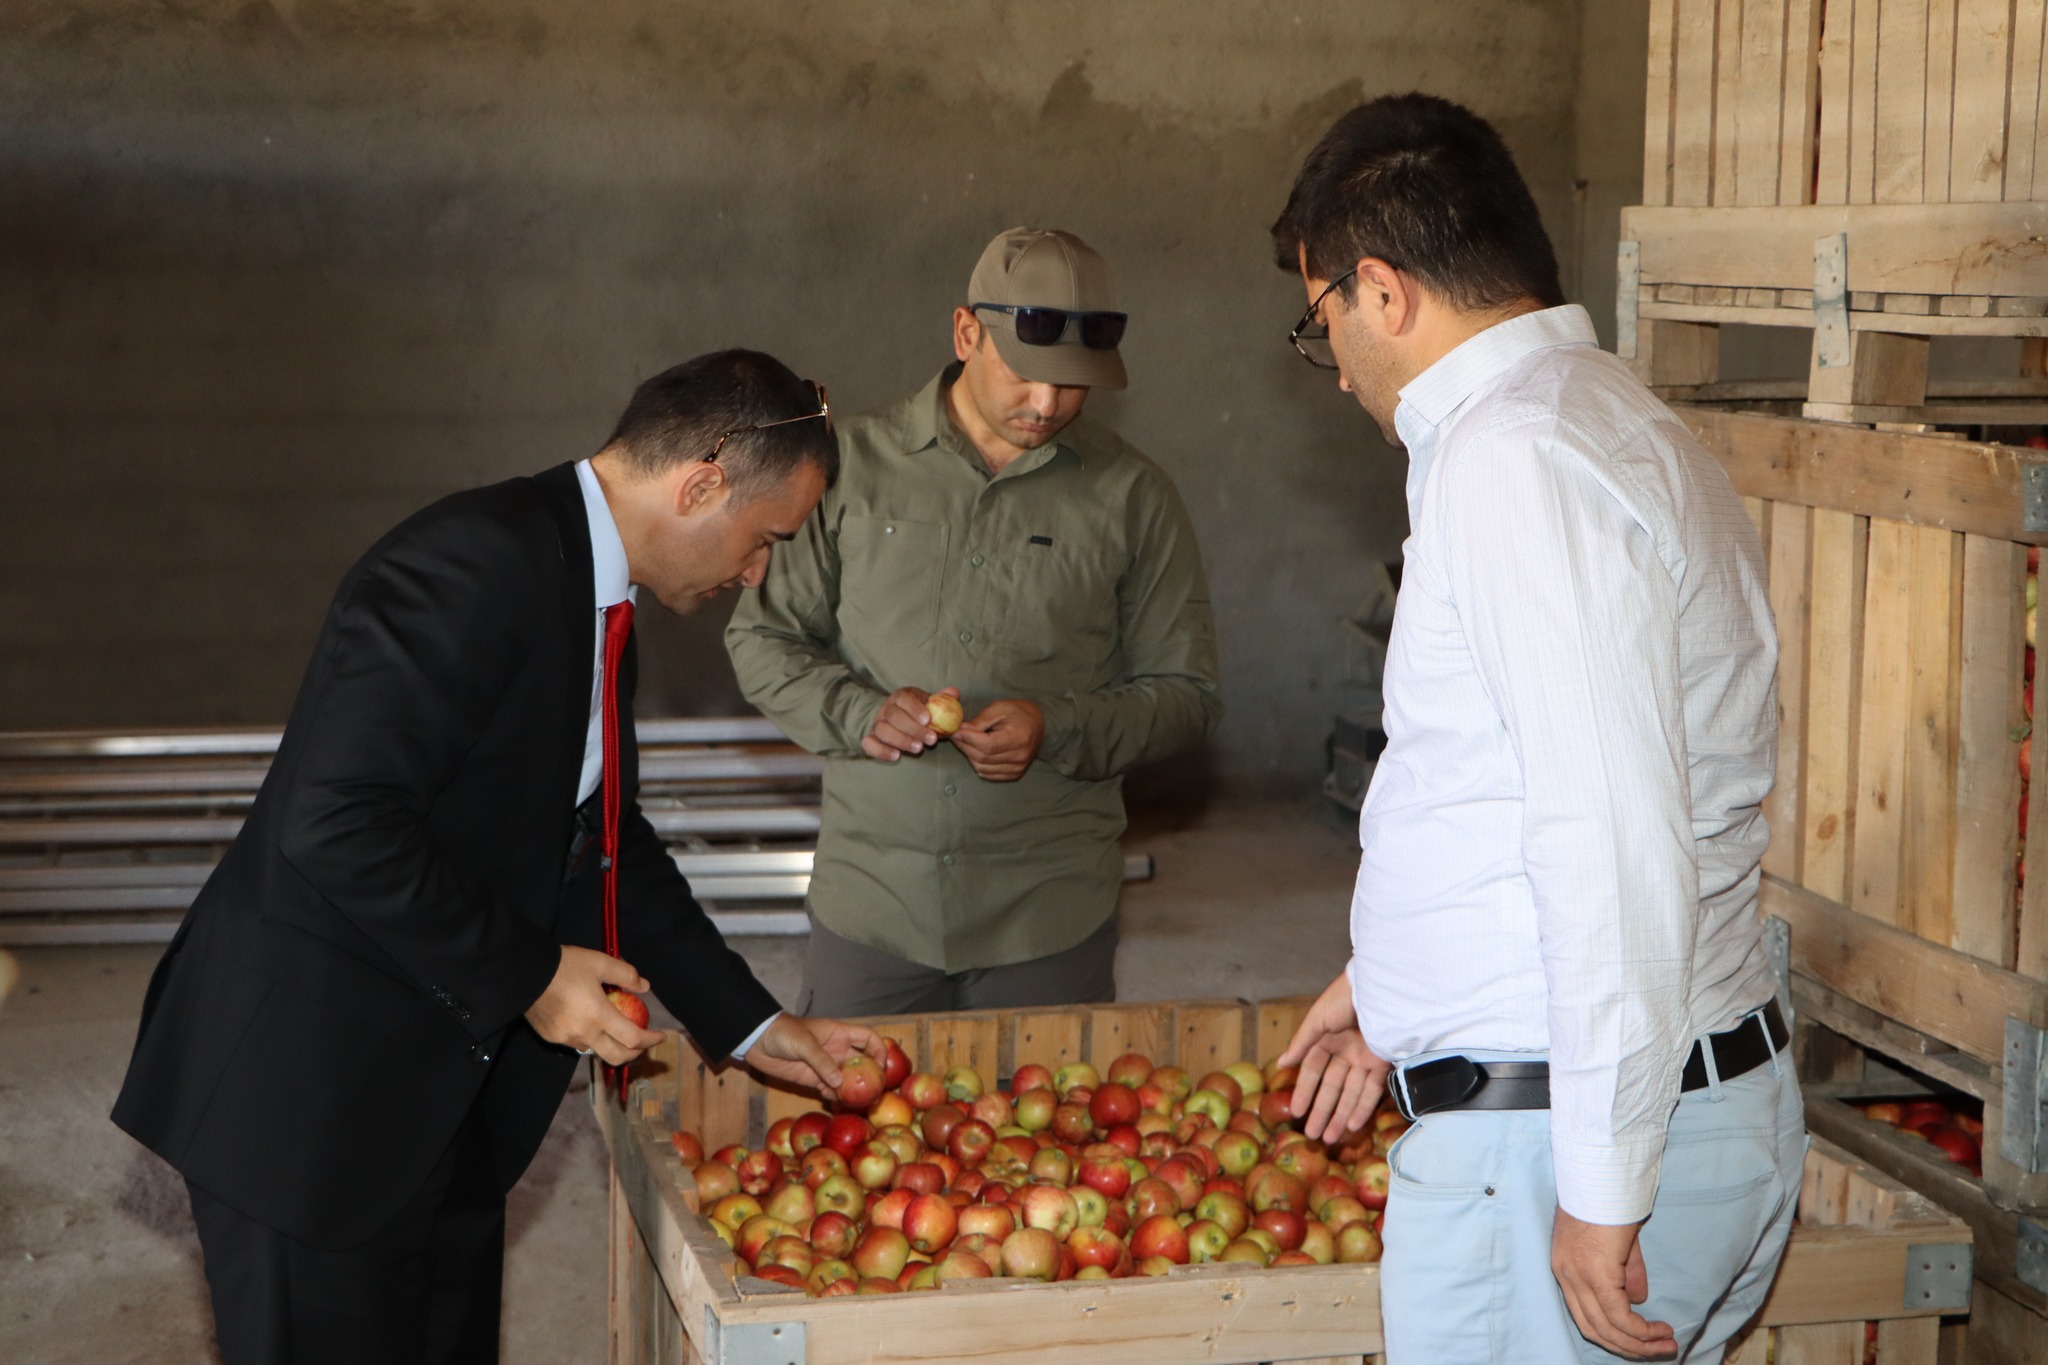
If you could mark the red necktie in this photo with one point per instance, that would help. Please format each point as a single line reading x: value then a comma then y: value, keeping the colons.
x: 618, y: 625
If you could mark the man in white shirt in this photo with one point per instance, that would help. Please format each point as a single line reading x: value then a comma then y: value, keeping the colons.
x: 1556, y: 948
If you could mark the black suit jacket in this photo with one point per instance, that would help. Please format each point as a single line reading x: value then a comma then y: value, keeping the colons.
x: 353, y: 978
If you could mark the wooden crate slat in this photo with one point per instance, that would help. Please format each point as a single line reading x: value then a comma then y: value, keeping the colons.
x: 1863, y: 51
x: 779, y: 1102
x: 1692, y: 121
x: 1992, y: 663
x: 967, y: 1039
x: 1800, y: 109
x: 1760, y: 101
x: 1834, y: 665
x: 1977, y: 137
x: 1752, y: 1348
x: 1900, y: 130
x: 1831, y: 184
x: 2023, y: 106
x: 1927, y: 874
x: 727, y: 1096
x: 1828, y: 1343
x: 1935, y: 990
x: 1882, y: 724
x: 2032, y: 955
x: 1277, y: 1021
x: 1941, y: 98
x: 1909, y: 1341
x: 1789, y: 546
x: 1209, y: 1035
x: 1048, y: 1037
x: 1728, y: 57
x: 1658, y: 117
x: 1114, y: 1030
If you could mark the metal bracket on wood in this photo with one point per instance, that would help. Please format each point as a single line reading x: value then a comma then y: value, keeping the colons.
x: 1938, y: 1275
x: 2034, y: 497
x: 752, y: 1343
x: 1831, y: 301
x: 2024, y: 1138
x: 1778, y: 947
x: 1628, y: 298
x: 2030, y: 1257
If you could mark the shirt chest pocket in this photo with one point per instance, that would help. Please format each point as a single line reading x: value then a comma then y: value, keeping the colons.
x: 1063, y: 605
x: 890, y: 578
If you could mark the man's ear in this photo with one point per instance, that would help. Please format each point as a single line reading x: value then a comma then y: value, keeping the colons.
x: 701, y: 486
x: 966, y: 333
x: 1386, y: 293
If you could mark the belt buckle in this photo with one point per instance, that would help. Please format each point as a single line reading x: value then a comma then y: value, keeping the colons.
x: 1459, y: 1074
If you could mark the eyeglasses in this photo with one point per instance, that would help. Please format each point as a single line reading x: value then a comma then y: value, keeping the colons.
x: 1045, y: 326
x: 824, y: 411
x: 1314, y: 345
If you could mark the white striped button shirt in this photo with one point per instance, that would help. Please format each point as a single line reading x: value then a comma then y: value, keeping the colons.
x: 1560, y: 844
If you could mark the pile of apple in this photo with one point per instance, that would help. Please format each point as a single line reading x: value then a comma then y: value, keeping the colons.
x: 920, y: 1179
x: 1959, y: 1135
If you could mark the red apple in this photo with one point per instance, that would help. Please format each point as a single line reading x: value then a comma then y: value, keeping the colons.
x: 791, y: 1202
x: 891, y: 1111
x: 1113, y: 1104
x: 994, y: 1109
x: 1173, y: 1081
x: 630, y: 1005
x: 1885, y: 1111
x: 930, y: 1222
x: 1288, y: 1258
x: 847, y: 1134
x: 1132, y: 1069
x: 1372, y: 1182
x: 819, y: 1165
x: 1071, y: 1123
x: 1126, y: 1138
x: 1959, y: 1146
x: 987, y: 1220
x: 895, y: 1065
x: 877, y: 1285
x: 1030, y: 1076
x: 919, y: 1177
x: 1111, y: 1177
x: 882, y: 1253
x: 1357, y: 1244
x: 715, y: 1180
x: 793, y: 1252
x: 1924, y: 1111
x: 1340, y: 1212
x: 1272, y: 1188
x: 1226, y: 1085
x: 1284, y: 1225
x: 887, y: 1212
x: 970, y: 1142
x: 1302, y: 1159
x: 961, y: 1265
x: 809, y: 1130
x: 1160, y: 1235
x: 1276, y: 1109
x: 1034, y: 1108
x: 923, y: 1090
x: 939, y: 1122
x: 1051, y: 1208
x: 688, y: 1146
x: 902, y: 1141
x: 1226, y: 1210
x: 1152, y: 1197
x: 989, y: 1249
x: 1052, y: 1166
x: 757, y: 1232
x: 1096, y: 1247
x: 874, y: 1166
x: 777, y: 1139
x: 780, y: 1274
x: 1032, y: 1254
x: 834, y: 1235
x: 731, y: 1156
x: 759, y: 1171
x: 1075, y: 1074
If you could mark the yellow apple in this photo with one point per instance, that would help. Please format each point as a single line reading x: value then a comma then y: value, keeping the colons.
x: 945, y: 712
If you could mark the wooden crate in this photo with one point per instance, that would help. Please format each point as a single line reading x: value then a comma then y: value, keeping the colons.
x: 1869, y: 170
x: 1863, y: 1244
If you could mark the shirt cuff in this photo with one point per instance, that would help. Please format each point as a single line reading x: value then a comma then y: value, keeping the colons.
x: 1056, y: 748
x: 1607, y: 1185
x: 739, y: 1054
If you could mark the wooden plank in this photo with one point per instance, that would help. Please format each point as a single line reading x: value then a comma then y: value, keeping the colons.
x: 2032, y: 951
x: 1992, y: 665
x: 1829, y: 1343
x: 1977, y: 147
x: 1997, y: 248
x: 1941, y: 97
x: 1934, y: 639
x: 1789, y: 546
x: 1831, y: 175
x: 1692, y: 104
x: 1676, y: 352
x: 1936, y: 990
x: 1882, y: 722
x: 1209, y: 1035
x: 1836, y: 1273
x: 1753, y: 1347
x: 1834, y: 665
x: 2023, y: 105
x: 1958, y: 485
x: 2004, y: 1331
x: 727, y: 1112
x: 1800, y: 108
x: 1049, y: 1037
x: 1657, y: 116
x: 1900, y: 129
x: 1729, y: 52
x: 1277, y: 1021
x: 1863, y: 54
x: 967, y: 1039
x: 1908, y: 1341
x: 781, y: 1103
x: 1114, y: 1030
x: 1887, y: 368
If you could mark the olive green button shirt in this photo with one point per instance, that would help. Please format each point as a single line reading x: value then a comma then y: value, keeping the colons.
x: 1072, y: 580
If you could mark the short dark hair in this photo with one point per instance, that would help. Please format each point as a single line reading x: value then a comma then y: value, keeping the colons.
x: 1429, y: 187
x: 679, y: 414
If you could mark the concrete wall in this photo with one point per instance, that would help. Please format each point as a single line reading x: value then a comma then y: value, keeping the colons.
x: 275, y: 272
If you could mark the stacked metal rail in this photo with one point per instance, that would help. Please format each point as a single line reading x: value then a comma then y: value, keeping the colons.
x: 105, y: 837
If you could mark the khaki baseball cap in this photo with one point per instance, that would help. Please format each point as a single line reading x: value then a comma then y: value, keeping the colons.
x: 1046, y: 268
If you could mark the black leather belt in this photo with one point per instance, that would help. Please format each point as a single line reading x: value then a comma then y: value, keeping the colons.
x: 1451, y: 1083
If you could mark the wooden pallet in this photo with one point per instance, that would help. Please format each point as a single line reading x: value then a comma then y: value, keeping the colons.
x: 1859, y: 1247
x: 1869, y: 170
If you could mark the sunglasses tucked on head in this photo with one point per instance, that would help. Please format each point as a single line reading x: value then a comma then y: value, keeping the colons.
x: 824, y: 413
x: 1036, y: 326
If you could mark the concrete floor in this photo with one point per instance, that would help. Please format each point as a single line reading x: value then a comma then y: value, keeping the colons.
x: 98, y: 1261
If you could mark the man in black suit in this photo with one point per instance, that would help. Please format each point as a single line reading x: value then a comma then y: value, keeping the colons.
x: 357, y: 1040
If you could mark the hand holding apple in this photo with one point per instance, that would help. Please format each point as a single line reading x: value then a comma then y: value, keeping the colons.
x: 904, y: 724
x: 807, y: 1052
x: 576, y: 1011
x: 1001, y: 742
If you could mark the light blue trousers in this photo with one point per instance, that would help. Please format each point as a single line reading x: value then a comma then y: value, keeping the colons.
x: 1466, y: 1277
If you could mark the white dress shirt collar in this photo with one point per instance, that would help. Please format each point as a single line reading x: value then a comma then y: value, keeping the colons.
x: 609, y: 578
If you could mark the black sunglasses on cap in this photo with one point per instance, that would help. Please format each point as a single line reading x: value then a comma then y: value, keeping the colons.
x: 1045, y: 326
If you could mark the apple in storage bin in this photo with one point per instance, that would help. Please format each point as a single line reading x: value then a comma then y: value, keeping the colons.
x: 963, y: 1084
x: 943, y: 713
x: 1033, y: 1108
x: 1226, y: 1210
x: 807, y: 1133
x: 628, y: 1004
x: 1357, y: 1244
x: 938, y: 1124
x: 1206, y: 1241
x: 1112, y: 1104
x: 1132, y: 1069
x: 1320, y: 1243
x: 860, y: 1081
x: 1226, y: 1085
x: 895, y: 1064
x: 780, y: 1274
x: 874, y: 1166
x: 1050, y: 1207
x: 1030, y: 1076
x: 715, y: 1180
x: 930, y: 1223
x: 1032, y: 1254
x: 923, y: 1090
x: 891, y: 1111
x: 1954, y: 1143
x: 1097, y: 1247
x: 1920, y: 1112
x: 840, y: 1194
x: 994, y: 1221
x: 1285, y: 1226
x: 847, y: 1134
x: 759, y: 1171
x: 819, y: 1165
x: 1885, y: 1111
x: 834, y: 1235
x: 1075, y: 1074
x: 1090, y: 1205
x: 1160, y: 1235
x: 1108, y: 1176
x: 882, y: 1253
x: 689, y: 1147
x: 791, y: 1202
x: 1372, y: 1182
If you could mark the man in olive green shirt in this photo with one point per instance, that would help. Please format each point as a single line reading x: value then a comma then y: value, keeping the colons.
x: 985, y: 540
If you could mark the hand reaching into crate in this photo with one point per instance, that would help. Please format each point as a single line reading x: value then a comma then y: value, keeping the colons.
x: 1341, y: 1078
x: 809, y: 1052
